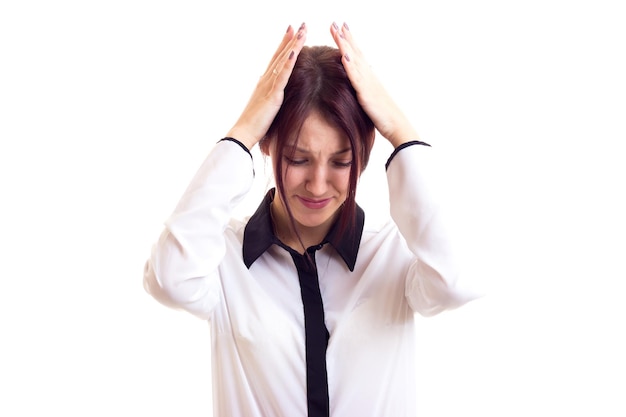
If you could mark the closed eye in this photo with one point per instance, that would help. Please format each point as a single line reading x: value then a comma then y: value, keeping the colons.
x: 291, y: 161
x: 342, y: 164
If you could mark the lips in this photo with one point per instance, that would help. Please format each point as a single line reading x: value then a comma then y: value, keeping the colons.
x: 314, y: 204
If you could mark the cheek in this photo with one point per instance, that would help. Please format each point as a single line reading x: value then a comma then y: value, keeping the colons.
x: 293, y: 177
x: 341, y: 180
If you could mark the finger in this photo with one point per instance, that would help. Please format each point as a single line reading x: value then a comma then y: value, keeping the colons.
x: 335, y: 32
x: 283, y: 44
x: 346, y: 35
x: 350, y: 55
x: 285, y: 61
x: 344, y: 40
x: 291, y: 42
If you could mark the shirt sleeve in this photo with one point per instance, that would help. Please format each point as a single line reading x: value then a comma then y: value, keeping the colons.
x: 182, y: 269
x: 432, y: 283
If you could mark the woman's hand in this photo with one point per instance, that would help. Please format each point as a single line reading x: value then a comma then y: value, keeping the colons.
x: 268, y: 95
x: 379, y: 106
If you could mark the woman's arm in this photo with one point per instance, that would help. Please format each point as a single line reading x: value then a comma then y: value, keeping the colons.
x: 389, y: 120
x: 432, y: 280
x: 182, y: 269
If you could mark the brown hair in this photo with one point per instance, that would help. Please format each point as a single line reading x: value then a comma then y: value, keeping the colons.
x: 319, y: 83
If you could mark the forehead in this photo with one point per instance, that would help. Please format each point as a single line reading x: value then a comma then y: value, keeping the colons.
x: 319, y: 136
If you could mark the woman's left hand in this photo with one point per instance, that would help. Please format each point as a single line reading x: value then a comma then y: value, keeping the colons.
x: 389, y: 120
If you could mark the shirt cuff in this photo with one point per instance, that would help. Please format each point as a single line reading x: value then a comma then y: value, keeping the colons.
x: 244, y: 147
x: 404, y: 145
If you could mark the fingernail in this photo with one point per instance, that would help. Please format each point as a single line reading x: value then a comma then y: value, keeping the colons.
x: 345, y: 25
x: 335, y: 26
x: 347, y: 57
x: 291, y: 55
x: 299, y: 34
x: 301, y: 26
x: 288, y: 27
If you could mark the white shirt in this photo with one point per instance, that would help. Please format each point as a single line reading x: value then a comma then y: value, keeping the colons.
x: 256, y: 314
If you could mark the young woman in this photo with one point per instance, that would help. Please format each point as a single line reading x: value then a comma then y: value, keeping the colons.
x: 311, y: 312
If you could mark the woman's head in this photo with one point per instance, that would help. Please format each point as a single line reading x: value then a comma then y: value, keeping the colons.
x: 319, y: 101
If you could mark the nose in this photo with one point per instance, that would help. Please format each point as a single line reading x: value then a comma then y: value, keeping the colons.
x: 317, y: 180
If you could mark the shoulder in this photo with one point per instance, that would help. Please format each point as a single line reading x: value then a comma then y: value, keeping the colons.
x: 235, y: 228
x: 379, y: 230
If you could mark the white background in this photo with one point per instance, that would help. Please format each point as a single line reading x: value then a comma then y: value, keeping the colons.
x: 107, y: 109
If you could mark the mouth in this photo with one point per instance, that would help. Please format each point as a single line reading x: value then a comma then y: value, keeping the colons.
x: 314, y: 204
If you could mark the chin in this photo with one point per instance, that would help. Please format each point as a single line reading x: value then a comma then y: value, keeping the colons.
x: 311, y: 221
x: 316, y: 220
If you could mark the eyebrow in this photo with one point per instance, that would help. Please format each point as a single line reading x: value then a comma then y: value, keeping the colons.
x: 302, y: 150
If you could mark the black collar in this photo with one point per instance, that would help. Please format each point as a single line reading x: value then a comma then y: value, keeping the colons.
x: 258, y: 235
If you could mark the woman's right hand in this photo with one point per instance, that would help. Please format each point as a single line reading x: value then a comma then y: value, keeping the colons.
x: 268, y: 95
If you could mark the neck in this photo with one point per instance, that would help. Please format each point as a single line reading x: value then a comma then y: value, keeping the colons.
x: 300, y: 238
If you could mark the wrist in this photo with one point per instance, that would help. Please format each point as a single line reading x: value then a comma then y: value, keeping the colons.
x: 403, y: 136
x: 242, y: 136
x: 399, y: 131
